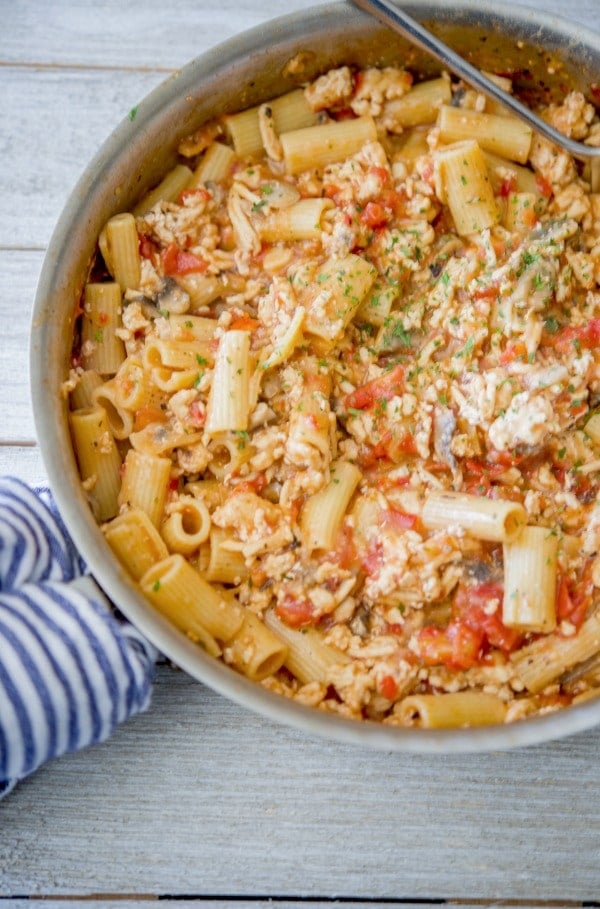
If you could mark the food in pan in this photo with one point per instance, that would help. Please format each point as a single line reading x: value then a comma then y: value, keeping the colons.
x: 334, y: 400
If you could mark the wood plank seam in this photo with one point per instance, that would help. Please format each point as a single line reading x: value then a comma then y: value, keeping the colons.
x: 85, y: 67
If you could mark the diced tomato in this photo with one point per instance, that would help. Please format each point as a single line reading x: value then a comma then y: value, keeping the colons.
x: 147, y: 247
x: 391, y: 447
x: 383, y: 388
x: 572, y: 602
x: 344, y: 113
x: 476, y: 595
x: 197, y: 414
x: 371, y: 454
x: 179, y: 262
x: 150, y: 413
x: 374, y: 215
x: 485, y: 293
x: 528, y: 214
x: 400, y: 520
x: 256, y: 484
x: 428, y: 172
x: 331, y: 190
x: 573, y: 337
x: 358, y: 79
x: 499, y: 246
x: 387, y: 481
x: 401, y: 444
x: 297, y: 613
x: 345, y: 549
x: 564, y: 603
x: 199, y: 193
x: 381, y: 173
x: 388, y: 687
x: 483, y: 475
x: 469, y: 606
x: 258, y: 576
x: 504, y: 459
x: 396, y: 200
x: 582, y: 485
x: 394, y: 628
x: 244, y: 323
x: 544, y: 186
x: 463, y: 642
x: 515, y: 350
x: 458, y: 646
x: 507, y: 186
x: 372, y: 561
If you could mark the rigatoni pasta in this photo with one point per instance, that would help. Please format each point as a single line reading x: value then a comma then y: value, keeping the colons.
x: 334, y: 398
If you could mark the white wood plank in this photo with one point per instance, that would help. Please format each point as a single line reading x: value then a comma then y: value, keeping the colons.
x: 132, y: 35
x: 140, y: 35
x: 248, y: 807
x: 58, y: 120
x: 19, y: 273
x: 25, y: 463
x: 132, y: 902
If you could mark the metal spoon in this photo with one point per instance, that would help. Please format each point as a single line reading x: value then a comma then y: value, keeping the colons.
x: 405, y: 25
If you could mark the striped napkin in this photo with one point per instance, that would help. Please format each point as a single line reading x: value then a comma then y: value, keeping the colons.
x: 70, y: 671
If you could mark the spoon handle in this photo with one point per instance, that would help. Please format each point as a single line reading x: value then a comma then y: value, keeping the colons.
x: 385, y: 11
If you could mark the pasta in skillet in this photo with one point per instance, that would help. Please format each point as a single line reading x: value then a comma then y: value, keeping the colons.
x: 334, y: 393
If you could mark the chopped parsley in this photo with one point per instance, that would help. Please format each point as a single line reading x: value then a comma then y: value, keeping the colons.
x: 467, y: 349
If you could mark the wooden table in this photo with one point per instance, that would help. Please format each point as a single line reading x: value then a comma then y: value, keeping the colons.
x: 198, y: 800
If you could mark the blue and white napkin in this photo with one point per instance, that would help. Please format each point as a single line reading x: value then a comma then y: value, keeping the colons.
x: 70, y: 671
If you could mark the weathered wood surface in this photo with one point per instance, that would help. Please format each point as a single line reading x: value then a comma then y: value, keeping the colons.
x: 199, y: 798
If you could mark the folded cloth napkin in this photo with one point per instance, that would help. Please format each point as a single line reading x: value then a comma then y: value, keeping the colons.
x: 69, y: 669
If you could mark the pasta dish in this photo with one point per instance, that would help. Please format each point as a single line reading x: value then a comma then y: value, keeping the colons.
x: 334, y: 396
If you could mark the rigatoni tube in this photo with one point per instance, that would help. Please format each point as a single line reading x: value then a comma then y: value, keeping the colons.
x: 98, y: 459
x: 189, y: 601
x: 455, y: 710
x: 289, y: 112
x: 324, y: 511
x: 466, y: 187
x: 226, y: 566
x: 167, y: 190
x: 229, y: 398
x: 530, y: 567
x: 119, y: 245
x: 145, y: 482
x: 542, y: 662
x: 505, y: 136
x: 300, y: 221
x: 187, y: 525
x: 214, y: 165
x: 102, y: 350
x: 135, y: 541
x: 308, y: 658
x: 255, y: 650
x: 420, y: 105
x: 316, y: 146
x: 341, y: 286
x: 496, y: 520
